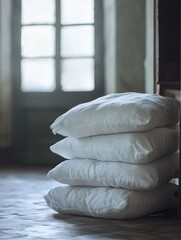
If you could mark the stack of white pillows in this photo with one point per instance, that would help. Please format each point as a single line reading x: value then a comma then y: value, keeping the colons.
x: 120, y: 154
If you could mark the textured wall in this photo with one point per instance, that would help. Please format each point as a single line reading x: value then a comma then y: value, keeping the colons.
x: 5, y: 74
x: 129, y: 45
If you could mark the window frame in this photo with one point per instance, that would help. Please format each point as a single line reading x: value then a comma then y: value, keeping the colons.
x: 57, y: 98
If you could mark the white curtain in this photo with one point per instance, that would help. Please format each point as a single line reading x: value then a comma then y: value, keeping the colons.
x: 5, y: 74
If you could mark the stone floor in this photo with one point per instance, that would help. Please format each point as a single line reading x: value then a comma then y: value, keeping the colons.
x: 24, y: 215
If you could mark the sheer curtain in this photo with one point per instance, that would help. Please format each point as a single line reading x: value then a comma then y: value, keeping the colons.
x: 5, y: 74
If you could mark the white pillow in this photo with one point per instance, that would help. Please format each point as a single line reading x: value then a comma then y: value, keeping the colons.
x: 107, y: 202
x: 115, y: 113
x: 140, y: 147
x: 87, y: 172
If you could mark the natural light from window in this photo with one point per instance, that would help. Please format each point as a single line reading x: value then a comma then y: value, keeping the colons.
x: 57, y: 38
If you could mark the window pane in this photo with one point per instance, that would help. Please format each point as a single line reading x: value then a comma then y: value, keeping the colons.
x: 38, y: 41
x: 77, y: 41
x: 77, y: 75
x: 38, y: 11
x: 77, y: 11
x: 37, y: 75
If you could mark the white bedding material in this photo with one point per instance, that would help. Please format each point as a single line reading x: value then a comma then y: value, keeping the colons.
x: 107, y: 202
x: 115, y: 113
x: 86, y: 172
x: 138, y: 147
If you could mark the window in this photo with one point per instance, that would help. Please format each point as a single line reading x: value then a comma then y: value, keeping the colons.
x: 59, y: 48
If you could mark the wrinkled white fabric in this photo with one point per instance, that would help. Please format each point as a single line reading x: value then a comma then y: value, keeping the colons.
x: 137, y: 147
x: 87, y: 172
x: 115, y: 113
x: 107, y: 202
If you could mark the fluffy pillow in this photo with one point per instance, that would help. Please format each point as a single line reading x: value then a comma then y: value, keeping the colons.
x: 86, y: 172
x: 107, y: 202
x: 115, y: 113
x: 140, y: 147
